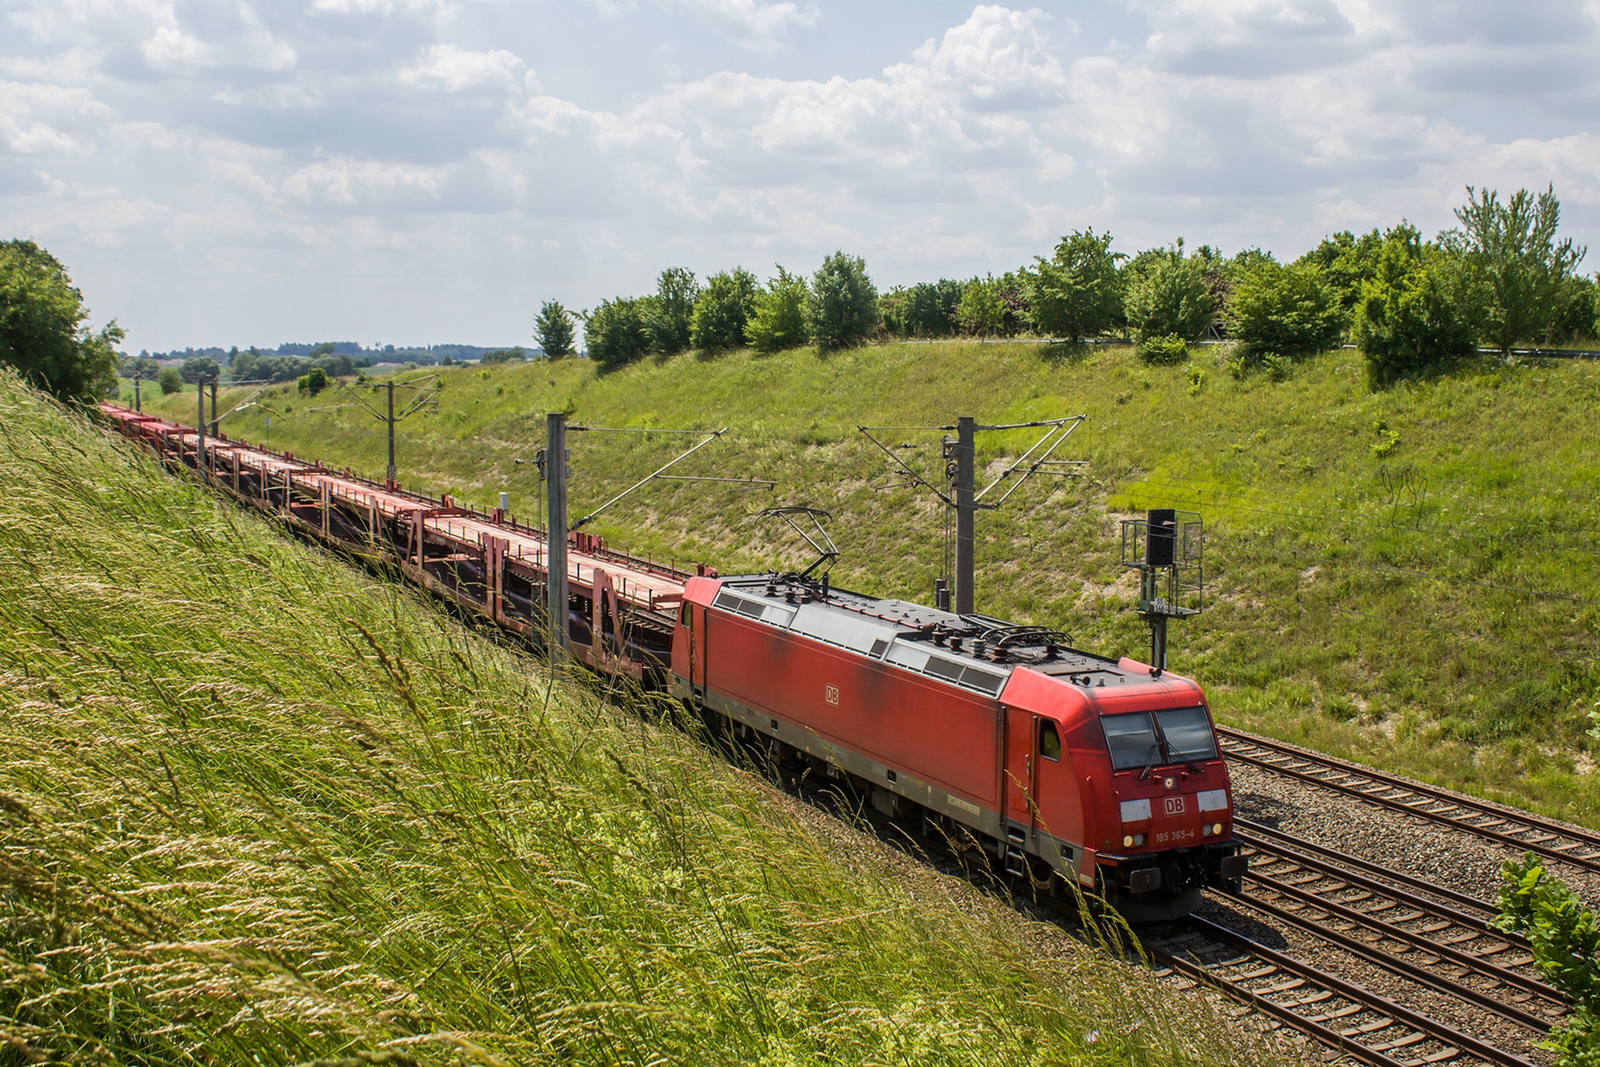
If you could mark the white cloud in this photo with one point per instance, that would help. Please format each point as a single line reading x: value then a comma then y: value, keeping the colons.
x: 753, y: 24
x: 454, y: 70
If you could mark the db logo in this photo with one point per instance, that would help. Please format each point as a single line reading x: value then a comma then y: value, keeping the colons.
x: 1174, y: 805
x: 831, y: 695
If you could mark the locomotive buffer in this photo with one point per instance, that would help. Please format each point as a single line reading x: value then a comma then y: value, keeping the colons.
x: 1166, y: 548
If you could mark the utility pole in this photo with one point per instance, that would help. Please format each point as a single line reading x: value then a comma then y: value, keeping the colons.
x: 137, y: 374
x: 390, y: 472
x: 214, y: 407
x: 555, y: 469
x: 200, y: 430
x: 966, y: 509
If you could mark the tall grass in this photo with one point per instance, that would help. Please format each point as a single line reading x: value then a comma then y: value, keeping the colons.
x: 1406, y: 576
x: 256, y: 807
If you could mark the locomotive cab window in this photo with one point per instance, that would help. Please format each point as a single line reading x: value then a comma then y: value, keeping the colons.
x: 1131, y: 739
x: 1187, y: 732
x: 1049, y: 741
x: 683, y: 614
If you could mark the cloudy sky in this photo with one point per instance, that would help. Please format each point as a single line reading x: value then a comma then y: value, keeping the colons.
x: 418, y: 171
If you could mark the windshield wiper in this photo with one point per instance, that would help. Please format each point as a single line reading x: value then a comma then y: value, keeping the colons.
x: 1150, y: 761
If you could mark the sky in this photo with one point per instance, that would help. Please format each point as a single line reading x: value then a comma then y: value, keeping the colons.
x: 221, y: 172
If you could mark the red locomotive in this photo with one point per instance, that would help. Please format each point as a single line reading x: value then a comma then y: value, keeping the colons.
x: 1059, y: 762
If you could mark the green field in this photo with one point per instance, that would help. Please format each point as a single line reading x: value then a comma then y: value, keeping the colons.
x: 1406, y: 576
x: 259, y: 807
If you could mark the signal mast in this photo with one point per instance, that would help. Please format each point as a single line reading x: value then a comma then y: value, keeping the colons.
x: 1166, y: 547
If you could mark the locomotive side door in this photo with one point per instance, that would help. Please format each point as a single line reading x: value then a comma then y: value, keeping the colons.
x: 697, y: 649
x: 1022, y: 758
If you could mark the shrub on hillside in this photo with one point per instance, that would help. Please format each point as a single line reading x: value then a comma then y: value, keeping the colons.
x: 1409, y: 317
x: 617, y: 332
x: 843, y: 306
x: 723, y: 310
x: 1168, y: 349
x: 313, y: 381
x: 1076, y: 293
x: 779, y: 320
x: 981, y: 312
x: 170, y: 380
x: 1168, y: 296
x: 1289, y: 311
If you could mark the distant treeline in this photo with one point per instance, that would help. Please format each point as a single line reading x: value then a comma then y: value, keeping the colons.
x: 360, y: 356
x: 1501, y: 278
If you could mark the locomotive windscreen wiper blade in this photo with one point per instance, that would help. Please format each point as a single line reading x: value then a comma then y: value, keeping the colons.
x: 1150, y: 761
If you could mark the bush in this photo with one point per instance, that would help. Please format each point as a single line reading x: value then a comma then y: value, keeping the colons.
x: 1563, y: 935
x: 1168, y: 297
x: 313, y: 381
x: 1289, y: 311
x: 779, y: 320
x: 169, y: 380
x: 843, y: 305
x: 505, y: 355
x: 1409, y: 317
x: 617, y: 332
x: 1076, y: 293
x: 723, y: 310
x: 1168, y: 349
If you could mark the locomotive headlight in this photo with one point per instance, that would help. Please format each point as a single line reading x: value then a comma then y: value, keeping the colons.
x: 1132, y: 840
x: 1217, y: 829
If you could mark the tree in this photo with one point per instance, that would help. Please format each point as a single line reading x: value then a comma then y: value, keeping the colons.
x: 779, y: 320
x: 43, y: 330
x: 1347, y: 263
x: 617, y: 332
x: 1168, y: 297
x: 1076, y: 292
x: 843, y: 306
x: 1515, y: 265
x: 505, y: 355
x: 672, y: 312
x: 313, y: 381
x: 927, y: 309
x: 1409, y: 316
x: 170, y: 380
x: 1286, y: 311
x: 553, y: 330
x: 723, y: 310
x: 200, y: 369
x: 981, y: 312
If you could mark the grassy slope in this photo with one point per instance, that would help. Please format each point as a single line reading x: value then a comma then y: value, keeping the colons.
x: 255, y: 807
x: 1371, y: 558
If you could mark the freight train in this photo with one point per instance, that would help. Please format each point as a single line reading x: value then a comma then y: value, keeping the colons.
x: 1068, y: 768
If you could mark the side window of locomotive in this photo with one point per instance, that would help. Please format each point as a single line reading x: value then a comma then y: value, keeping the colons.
x: 683, y: 614
x: 1130, y: 738
x: 1188, y: 733
x: 1049, y: 741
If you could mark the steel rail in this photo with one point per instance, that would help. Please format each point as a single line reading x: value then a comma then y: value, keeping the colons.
x: 1383, y: 786
x: 1433, y: 1028
x: 1265, y: 838
x: 1393, y: 962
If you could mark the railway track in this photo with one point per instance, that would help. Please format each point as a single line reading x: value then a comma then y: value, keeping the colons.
x: 1522, y: 831
x: 1437, y: 945
x: 1339, y: 1014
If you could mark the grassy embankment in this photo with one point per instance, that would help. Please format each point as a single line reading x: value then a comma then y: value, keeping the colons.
x: 1406, y: 576
x: 258, y: 807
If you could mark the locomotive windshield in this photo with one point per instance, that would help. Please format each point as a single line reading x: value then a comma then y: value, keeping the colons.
x: 1140, y: 739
